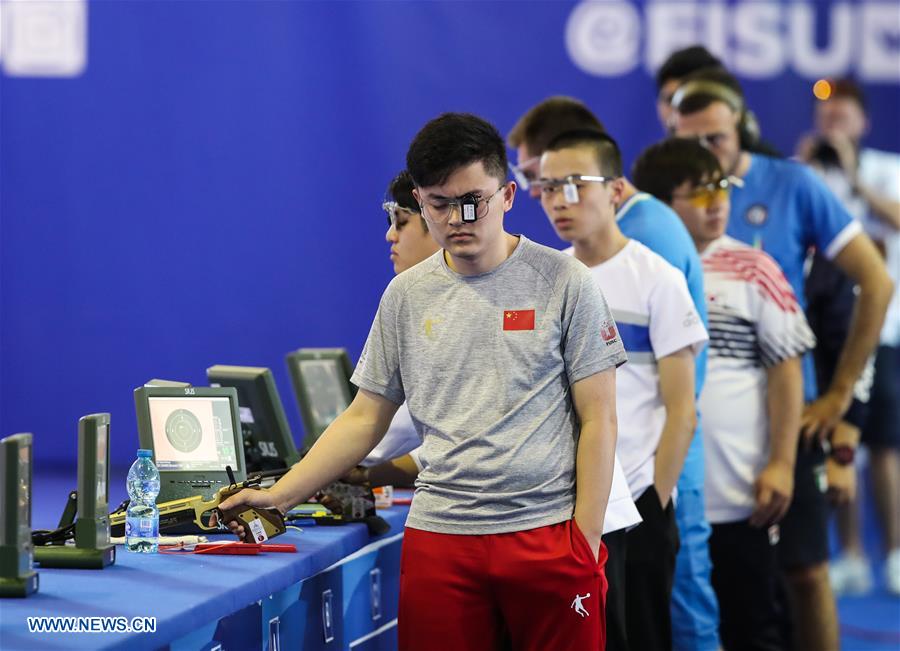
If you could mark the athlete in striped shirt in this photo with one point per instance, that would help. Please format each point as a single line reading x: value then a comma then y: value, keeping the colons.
x: 753, y: 397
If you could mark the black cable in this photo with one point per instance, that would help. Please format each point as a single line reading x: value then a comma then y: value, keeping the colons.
x: 122, y: 507
x: 43, y: 537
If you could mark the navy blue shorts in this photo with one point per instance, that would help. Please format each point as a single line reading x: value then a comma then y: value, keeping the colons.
x: 882, y: 429
x: 804, y: 529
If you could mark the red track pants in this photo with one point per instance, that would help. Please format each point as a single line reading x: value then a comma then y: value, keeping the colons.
x: 536, y: 590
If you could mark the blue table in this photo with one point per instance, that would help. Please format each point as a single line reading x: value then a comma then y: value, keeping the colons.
x: 338, y: 592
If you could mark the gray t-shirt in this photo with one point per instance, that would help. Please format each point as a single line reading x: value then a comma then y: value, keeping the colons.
x: 485, y: 364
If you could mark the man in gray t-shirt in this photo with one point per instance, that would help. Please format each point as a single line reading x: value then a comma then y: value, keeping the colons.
x: 485, y: 364
x: 495, y: 345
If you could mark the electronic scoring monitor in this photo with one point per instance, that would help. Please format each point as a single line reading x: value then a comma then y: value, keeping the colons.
x: 267, y: 440
x: 92, y: 520
x: 321, y: 379
x: 92, y: 549
x: 194, y: 433
x: 17, y: 575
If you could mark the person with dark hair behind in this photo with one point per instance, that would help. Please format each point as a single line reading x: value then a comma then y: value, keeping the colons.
x: 494, y: 344
x: 867, y: 181
x: 783, y: 208
x: 409, y: 246
x: 690, y: 62
x: 830, y: 297
x: 537, y: 127
x: 395, y: 459
x: 679, y: 65
x: 753, y: 396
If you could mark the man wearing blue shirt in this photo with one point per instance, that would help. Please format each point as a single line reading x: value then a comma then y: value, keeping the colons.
x: 640, y: 216
x: 781, y: 207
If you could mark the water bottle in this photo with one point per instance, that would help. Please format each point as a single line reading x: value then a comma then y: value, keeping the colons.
x: 142, y: 517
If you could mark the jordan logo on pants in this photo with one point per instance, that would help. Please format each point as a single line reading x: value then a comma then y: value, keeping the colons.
x: 579, y: 608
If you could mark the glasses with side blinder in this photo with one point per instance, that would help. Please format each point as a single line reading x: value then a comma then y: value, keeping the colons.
x: 471, y: 207
x: 397, y: 215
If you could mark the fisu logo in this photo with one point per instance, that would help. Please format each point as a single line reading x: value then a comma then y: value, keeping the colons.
x: 756, y: 39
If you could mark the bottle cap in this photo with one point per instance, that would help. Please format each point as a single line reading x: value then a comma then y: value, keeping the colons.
x: 145, y: 453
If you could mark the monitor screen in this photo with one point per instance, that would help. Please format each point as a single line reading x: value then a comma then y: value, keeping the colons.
x: 267, y: 440
x: 327, y: 390
x: 192, y: 433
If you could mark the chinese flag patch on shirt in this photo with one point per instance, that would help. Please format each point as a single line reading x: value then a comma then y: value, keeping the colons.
x: 518, y: 320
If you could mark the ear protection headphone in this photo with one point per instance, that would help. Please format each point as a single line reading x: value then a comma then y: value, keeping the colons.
x: 748, y: 126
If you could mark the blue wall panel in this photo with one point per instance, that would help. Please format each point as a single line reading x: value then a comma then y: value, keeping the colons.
x: 208, y: 190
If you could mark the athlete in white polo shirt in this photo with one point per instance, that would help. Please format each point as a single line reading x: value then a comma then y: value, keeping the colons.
x: 581, y: 184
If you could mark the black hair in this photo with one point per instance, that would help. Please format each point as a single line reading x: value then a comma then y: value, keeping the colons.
x: 400, y: 189
x: 683, y: 62
x: 452, y: 141
x: 609, y: 157
x: 545, y: 121
x: 664, y: 166
x: 847, y: 88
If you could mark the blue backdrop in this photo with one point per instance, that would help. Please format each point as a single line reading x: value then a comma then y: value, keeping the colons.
x: 208, y: 190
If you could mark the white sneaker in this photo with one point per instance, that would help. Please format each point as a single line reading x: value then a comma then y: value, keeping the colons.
x: 892, y: 572
x: 851, y: 575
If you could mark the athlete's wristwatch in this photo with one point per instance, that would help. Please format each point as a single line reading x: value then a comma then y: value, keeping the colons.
x: 843, y: 455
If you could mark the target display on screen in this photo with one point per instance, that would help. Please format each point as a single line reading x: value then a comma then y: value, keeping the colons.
x: 192, y: 433
x: 183, y: 430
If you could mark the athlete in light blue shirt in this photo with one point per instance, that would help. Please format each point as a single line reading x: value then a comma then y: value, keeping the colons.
x: 783, y: 208
x: 786, y: 210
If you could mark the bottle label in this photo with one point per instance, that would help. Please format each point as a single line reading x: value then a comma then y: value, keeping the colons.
x: 141, y: 528
x: 149, y: 528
